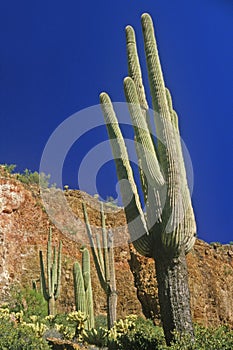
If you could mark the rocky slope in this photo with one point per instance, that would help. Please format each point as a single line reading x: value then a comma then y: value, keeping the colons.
x: 24, y: 226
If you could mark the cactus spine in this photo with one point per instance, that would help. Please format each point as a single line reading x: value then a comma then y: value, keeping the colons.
x: 104, y: 262
x: 52, y: 284
x: 167, y: 231
x: 83, y: 288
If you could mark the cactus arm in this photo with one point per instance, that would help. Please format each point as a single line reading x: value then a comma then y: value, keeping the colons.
x: 173, y: 233
x: 174, y: 117
x: 157, y: 86
x: 159, y: 100
x: 54, y: 272
x: 189, y: 220
x: 144, y: 245
x: 128, y: 188
x: 99, y: 270
x: 134, y: 69
x: 105, y: 244
x: 111, y: 260
x: 99, y: 251
x: 190, y: 237
x: 134, y: 214
x: 49, y: 268
x: 188, y: 224
x: 169, y: 100
x: 143, y: 180
x: 85, y: 267
x: 147, y: 153
x: 121, y: 158
x: 43, y: 280
x: 58, y: 273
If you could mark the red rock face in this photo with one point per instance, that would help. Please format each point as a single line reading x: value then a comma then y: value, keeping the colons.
x: 24, y: 226
x: 12, y: 195
x: 210, y: 282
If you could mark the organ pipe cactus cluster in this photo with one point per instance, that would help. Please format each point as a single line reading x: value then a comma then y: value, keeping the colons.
x: 52, y: 284
x: 165, y: 230
x: 83, y: 288
x: 103, y: 255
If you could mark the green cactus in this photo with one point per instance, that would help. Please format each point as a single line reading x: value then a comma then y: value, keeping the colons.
x: 103, y: 256
x: 52, y: 284
x: 79, y: 290
x: 83, y: 288
x: 167, y: 229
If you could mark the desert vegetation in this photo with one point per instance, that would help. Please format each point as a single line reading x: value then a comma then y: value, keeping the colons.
x: 165, y: 232
x: 20, y: 329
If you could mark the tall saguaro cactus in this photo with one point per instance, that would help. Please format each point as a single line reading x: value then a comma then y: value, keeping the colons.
x: 166, y: 229
x: 83, y: 288
x: 104, y: 262
x: 52, y: 284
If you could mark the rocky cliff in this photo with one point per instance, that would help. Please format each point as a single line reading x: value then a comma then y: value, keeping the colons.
x: 24, y: 226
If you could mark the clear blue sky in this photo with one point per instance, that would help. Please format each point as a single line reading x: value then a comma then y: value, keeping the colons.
x: 57, y: 56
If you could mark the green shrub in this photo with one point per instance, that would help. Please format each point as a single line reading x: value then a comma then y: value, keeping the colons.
x: 135, y: 333
x: 205, y: 339
x: 29, y: 301
x: 67, y: 326
x: 8, y: 168
x: 101, y: 321
x: 19, y: 337
x: 98, y: 337
x: 28, y: 177
x: 78, y: 318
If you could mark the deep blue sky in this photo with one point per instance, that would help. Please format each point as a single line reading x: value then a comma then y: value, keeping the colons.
x: 57, y: 56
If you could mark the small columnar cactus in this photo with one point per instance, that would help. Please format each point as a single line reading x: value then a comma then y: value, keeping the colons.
x: 52, y: 284
x: 166, y: 229
x: 83, y: 288
x: 103, y: 256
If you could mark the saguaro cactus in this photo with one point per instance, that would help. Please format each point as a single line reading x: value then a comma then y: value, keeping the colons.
x: 104, y: 263
x: 166, y: 229
x: 83, y: 288
x: 52, y: 284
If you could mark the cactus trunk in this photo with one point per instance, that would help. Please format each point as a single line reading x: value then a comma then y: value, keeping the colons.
x: 111, y: 291
x: 111, y: 308
x: 51, y: 306
x: 174, y: 298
